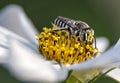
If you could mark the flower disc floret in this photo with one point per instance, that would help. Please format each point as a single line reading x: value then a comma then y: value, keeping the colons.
x: 57, y: 46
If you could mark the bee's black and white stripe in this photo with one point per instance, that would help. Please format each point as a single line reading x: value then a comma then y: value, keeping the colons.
x: 78, y: 28
x: 61, y: 22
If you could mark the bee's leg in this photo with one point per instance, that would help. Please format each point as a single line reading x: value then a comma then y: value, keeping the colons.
x: 85, y: 38
x: 78, y: 36
x: 69, y: 35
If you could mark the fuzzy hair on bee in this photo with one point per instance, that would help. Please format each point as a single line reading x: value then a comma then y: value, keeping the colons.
x: 74, y: 27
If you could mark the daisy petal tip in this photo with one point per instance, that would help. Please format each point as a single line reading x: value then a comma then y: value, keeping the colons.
x: 21, y: 24
x: 102, y: 43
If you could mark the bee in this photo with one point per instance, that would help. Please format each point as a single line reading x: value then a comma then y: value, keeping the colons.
x: 74, y: 27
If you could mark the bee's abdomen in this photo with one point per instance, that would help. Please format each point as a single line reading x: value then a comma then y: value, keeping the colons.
x: 61, y: 22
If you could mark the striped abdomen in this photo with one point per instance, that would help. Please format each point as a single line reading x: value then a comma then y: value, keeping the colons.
x: 62, y: 22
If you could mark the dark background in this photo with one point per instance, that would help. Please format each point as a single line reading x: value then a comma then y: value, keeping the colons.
x: 102, y: 15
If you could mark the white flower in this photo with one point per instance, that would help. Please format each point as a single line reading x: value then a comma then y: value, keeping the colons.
x: 19, y: 54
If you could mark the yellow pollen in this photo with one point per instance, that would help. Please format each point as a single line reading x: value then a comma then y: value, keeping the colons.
x: 57, y: 46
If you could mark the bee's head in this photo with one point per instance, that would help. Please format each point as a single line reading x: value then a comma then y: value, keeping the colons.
x: 86, y: 33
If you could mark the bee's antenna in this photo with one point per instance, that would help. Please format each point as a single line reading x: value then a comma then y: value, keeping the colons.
x: 95, y: 42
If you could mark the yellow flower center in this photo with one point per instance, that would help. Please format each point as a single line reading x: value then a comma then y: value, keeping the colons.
x: 57, y: 46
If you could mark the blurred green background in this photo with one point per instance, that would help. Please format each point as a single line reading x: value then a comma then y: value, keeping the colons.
x: 102, y: 15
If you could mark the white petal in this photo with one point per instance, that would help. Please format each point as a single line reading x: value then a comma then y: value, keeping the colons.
x: 118, y: 43
x: 5, y: 33
x: 3, y: 47
x: 103, y: 60
x: 115, y: 74
x: 102, y: 43
x: 3, y: 54
x: 4, y: 43
x: 26, y: 65
x: 13, y: 18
